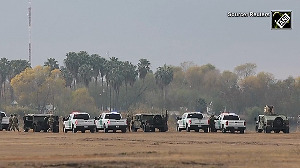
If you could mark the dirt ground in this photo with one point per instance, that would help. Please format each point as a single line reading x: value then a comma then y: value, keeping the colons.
x: 169, y: 149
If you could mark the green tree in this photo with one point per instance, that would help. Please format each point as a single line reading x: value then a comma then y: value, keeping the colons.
x: 115, y: 78
x: 130, y: 74
x: 163, y: 77
x: 4, y: 72
x: 66, y: 74
x: 85, y: 72
x: 52, y: 63
x: 143, y: 68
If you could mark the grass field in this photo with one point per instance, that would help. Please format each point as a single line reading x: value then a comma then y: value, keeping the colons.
x: 170, y: 149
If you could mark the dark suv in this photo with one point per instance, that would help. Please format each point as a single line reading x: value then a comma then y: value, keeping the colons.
x: 148, y: 122
x: 39, y: 122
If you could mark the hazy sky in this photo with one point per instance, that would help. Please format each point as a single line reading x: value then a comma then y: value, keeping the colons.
x: 162, y: 31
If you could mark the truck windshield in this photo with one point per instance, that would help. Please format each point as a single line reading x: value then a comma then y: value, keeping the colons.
x: 147, y: 117
x: 3, y: 115
x: 231, y: 117
x: 199, y: 116
x: 81, y: 116
x: 113, y: 116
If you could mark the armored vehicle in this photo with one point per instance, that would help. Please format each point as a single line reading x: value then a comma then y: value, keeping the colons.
x: 39, y: 122
x: 271, y: 122
x: 148, y: 122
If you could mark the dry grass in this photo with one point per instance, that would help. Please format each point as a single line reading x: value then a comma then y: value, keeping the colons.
x: 170, y: 149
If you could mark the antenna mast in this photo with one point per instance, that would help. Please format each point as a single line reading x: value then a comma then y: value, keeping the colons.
x: 29, y: 31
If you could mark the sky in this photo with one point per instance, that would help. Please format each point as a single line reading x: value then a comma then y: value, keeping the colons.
x: 162, y: 31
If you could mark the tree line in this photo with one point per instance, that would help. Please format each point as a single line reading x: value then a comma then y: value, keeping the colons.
x: 93, y: 83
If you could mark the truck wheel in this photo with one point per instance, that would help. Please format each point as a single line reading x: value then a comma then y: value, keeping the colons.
x: 286, y: 130
x: 188, y: 129
x: 65, y: 130
x: 105, y: 130
x: 178, y: 129
x: 74, y: 130
x: 223, y: 129
x: 267, y: 129
x: 242, y: 131
x: 92, y: 130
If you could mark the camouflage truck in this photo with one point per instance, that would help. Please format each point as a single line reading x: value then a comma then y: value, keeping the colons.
x: 148, y: 122
x: 39, y: 122
x: 271, y: 122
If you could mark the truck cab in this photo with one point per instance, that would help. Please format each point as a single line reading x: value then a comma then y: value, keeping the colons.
x: 79, y: 121
x: 5, y: 121
x: 230, y: 122
x: 192, y: 121
x: 111, y: 121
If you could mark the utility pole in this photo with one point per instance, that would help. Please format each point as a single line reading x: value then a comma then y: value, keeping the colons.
x: 29, y: 31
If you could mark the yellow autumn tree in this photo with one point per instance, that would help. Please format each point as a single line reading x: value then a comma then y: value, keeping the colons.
x: 38, y: 87
x: 82, y: 101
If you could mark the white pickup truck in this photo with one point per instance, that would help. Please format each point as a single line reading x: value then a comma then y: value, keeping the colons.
x: 79, y: 121
x: 5, y: 121
x: 111, y: 121
x: 230, y: 122
x: 192, y: 121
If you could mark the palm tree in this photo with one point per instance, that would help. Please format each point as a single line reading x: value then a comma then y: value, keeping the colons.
x: 130, y: 74
x: 115, y: 77
x: 4, y: 72
x: 164, y: 76
x: 52, y: 63
x: 85, y: 72
x: 72, y: 63
x: 67, y: 76
x: 16, y: 67
x: 143, y: 68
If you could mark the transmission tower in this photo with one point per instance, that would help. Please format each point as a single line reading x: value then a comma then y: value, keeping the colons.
x: 29, y: 31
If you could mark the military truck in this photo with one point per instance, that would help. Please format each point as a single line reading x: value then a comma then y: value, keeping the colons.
x: 271, y: 122
x: 148, y: 122
x: 39, y: 122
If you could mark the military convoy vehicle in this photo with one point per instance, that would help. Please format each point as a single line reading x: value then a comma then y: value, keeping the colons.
x: 271, y: 122
x: 148, y: 122
x: 39, y: 122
